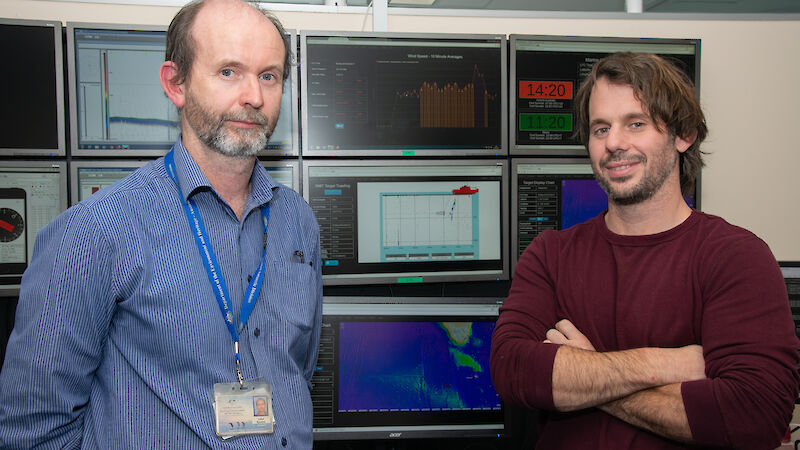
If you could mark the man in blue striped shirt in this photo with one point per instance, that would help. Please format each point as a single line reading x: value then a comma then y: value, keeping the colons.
x: 129, y: 310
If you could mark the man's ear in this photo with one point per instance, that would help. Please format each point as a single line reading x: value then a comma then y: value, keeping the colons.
x: 169, y: 77
x: 683, y: 143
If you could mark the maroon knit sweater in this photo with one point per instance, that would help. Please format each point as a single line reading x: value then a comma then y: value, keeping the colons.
x: 703, y: 282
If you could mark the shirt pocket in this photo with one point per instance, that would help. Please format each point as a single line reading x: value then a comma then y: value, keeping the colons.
x: 292, y: 298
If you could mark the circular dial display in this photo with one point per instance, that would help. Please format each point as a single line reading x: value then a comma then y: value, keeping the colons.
x: 11, y: 225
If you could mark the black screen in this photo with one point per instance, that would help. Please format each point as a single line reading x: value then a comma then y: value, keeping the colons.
x: 29, y: 87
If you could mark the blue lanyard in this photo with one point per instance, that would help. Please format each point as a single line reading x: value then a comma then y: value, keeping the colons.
x: 210, y: 261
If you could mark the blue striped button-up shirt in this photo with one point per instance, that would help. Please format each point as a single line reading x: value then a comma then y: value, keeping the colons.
x: 119, y: 339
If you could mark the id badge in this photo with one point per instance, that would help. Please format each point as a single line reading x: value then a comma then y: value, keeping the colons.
x: 243, y: 409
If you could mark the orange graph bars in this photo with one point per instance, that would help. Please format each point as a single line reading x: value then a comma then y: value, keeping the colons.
x: 452, y: 106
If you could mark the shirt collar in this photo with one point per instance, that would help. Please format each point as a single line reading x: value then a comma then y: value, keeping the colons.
x: 192, y: 179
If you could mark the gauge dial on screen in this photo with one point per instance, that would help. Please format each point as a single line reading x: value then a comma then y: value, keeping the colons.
x: 12, y: 225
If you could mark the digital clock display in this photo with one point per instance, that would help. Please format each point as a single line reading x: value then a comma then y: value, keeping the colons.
x: 546, y: 89
x: 545, y: 122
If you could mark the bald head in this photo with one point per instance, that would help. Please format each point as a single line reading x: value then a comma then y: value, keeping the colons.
x: 182, y: 40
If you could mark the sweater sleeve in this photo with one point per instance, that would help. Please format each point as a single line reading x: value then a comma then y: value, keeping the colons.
x: 521, y: 364
x: 750, y: 349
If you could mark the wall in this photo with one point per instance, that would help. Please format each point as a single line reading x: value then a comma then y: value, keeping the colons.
x: 748, y: 75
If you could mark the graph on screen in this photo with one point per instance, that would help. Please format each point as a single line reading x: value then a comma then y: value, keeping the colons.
x: 429, y: 226
x: 441, y: 105
x: 121, y: 104
x: 371, y: 94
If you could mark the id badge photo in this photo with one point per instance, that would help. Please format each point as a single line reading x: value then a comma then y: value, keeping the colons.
x: 243, y: 409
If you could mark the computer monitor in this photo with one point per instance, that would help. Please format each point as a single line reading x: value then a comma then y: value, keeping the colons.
x: 409, y: 221
x: 403, y: 94
x: 117, y: 104
x: 405, y: 370
x: 32, y: 193
x: 286, y: 172
x: 546, y: 73
x: 88, y: 177
x: 32, y: 117
x: 551, y: 194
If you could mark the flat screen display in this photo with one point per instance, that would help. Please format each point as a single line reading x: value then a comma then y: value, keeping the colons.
x: 546, y: 73
x: 32, y: 193
x: 89, y: 177
x: 32, y: 88
x: 403, y: 94
x: 409, y: 221
x: 117, y: 104
x: 405, y: 370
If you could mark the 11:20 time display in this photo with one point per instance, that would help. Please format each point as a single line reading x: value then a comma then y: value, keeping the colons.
x: 545, y: 122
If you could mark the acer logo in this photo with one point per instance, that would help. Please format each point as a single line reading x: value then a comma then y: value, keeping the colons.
x: 395, y: 435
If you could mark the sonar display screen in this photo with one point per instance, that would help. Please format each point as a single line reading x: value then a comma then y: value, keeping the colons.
x: 432, y: 366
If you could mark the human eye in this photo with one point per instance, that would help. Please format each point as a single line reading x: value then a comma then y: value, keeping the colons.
x: 599, y: 131
x: 227, y: 72
x: 269, y: 77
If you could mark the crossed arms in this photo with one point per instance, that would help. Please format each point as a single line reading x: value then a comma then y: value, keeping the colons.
x: 639, y: 386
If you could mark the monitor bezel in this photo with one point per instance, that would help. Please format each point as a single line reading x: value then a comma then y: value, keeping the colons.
x: 60, y: 151
x: 61, y: 165
x: 502, y: 151
x: 135, y: 153
x: 573, y: 150
x: 75, y: 166
x: 291, y: 163
x: 406, y: 307
x: 357, y: 279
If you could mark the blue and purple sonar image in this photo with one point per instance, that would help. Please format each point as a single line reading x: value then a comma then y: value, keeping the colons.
x: 580, y: 201
x: 415, y: 366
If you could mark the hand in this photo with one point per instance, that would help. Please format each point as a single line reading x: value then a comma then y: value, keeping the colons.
x: 566, y: 333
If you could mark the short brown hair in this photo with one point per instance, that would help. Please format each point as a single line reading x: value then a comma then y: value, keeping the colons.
x: 667, y: 94
x: 181, y: 44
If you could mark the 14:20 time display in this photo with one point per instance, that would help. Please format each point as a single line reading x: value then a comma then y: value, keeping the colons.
x: 546, y: 89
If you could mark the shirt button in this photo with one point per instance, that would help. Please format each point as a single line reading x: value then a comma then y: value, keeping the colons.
x: 284, y: 442
x: 256, y: 332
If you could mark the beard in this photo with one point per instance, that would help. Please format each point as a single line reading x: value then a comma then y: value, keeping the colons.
x: 236, y: 142
x: 663, y: 164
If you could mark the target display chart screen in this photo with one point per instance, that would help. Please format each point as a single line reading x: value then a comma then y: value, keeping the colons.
x: 403, y: 96
x: 387, y: 368
x: 548, y: 72
x: 408, y: 223
x: 553, y: 196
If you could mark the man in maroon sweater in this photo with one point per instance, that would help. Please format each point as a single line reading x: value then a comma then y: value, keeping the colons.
x: 651, y: 326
